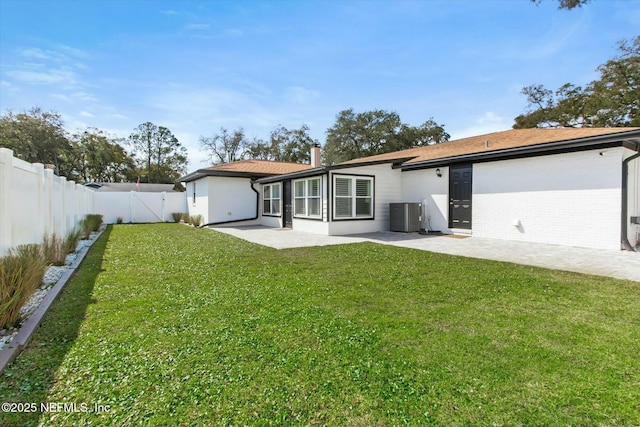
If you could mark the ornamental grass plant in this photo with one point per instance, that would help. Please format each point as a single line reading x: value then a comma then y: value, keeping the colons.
x: 21, y: 273
x: 89, y: 224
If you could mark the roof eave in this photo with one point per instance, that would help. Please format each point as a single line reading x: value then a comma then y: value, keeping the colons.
x: 581, y: 144
x: 202, y: 173
x: 293, y: 175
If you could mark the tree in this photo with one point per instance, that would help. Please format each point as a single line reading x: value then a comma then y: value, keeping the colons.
x: 142, y: 143
x: 170, y: 157
x: 376, y: 132
x: 566, y: 4
x: 284, y: 145
x: 428, y: 133
x: 162, y: 158
x: 101, y: 158
x: 224, y: 147
x: 37, y: 136
x: 610, y: 101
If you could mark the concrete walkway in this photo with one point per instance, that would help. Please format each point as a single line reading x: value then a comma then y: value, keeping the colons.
x: 618, y: 264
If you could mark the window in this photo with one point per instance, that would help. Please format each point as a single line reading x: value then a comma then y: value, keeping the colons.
x: 353, y: 197
x: 271, y: 199
x: 306, y: 198
x: 193, y: 186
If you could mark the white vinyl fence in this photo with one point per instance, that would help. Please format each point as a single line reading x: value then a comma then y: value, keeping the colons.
x: 35, y: 202
x: 136, y: 207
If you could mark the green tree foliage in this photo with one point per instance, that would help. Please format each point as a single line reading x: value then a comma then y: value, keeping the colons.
x: 225, y: 147
x: 162, y: 159
x: 612, y: 100
x: 101, y: 158
x: 566, y: 4
x: 37, y: 136
x: 284, y: 145
x: 376, y: 132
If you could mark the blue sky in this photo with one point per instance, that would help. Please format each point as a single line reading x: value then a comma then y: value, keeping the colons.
x: 196, y: 66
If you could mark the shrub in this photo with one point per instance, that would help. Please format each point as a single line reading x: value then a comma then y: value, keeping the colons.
x: 177, y: 216
x: 89, y: 224
x: 186, y: 218
x: 21, y: 273
x: 119, y: 220
x: 196, y: 220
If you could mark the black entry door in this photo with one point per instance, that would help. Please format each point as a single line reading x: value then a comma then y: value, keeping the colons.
x: 460, y: 196
x: 287, y: 220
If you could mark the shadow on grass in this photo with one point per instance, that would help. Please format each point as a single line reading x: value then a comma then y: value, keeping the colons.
x: 30, y: 377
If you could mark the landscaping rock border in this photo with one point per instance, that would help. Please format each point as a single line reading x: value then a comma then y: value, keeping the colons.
x: 11, y: 350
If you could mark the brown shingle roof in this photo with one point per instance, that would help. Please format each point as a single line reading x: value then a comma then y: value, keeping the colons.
x: 247, y: 168
x: 490, y: 142
x: 259, y: 167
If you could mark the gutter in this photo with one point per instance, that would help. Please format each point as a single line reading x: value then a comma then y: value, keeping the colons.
x: 243, y: 219
x: 625, y: 208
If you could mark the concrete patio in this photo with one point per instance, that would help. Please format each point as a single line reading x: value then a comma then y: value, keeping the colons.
x: 618, y: 264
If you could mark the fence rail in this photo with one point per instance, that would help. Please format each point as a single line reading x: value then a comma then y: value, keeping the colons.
x: 35, y: 202
x: 137, y: 207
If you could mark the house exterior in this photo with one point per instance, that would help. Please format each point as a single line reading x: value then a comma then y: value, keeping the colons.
x: 567, y: 186
x: 228, y: 193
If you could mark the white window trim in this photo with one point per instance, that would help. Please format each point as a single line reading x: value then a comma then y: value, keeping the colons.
x: 306, y: 197
x: 272, y: 199
x: 353, y: 197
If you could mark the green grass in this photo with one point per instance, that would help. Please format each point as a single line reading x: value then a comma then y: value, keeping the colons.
x: 170, y: 325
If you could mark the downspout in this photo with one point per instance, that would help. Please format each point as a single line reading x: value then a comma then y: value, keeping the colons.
x: 625, y: 188
x: 244, y: 219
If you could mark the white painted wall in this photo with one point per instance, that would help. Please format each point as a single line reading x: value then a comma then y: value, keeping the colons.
x: 200, y: 204
x: 271, y: 221
x: 139, y: 207
x: 424, y: 186
x: 567, y: 199
x: 230, y: 199
x: 633, y: 200
x: 388, y: 189
x: 35, y: 202
x: 311, y: 226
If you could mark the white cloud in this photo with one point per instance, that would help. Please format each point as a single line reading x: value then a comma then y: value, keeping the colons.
x: 86, y: 114
x: 49, y: 77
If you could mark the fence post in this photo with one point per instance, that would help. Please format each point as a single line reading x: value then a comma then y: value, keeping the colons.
x: 42, y: 213
x: 48, y: 184
x: 6, y: 202
x: 163, y: 204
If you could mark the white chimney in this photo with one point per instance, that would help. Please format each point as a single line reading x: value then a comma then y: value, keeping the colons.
x: 316, y: 161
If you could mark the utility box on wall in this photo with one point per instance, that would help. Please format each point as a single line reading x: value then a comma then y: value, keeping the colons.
x: 405, y: 217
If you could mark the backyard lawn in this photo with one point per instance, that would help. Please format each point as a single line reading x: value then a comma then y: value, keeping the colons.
x: 169, y: 325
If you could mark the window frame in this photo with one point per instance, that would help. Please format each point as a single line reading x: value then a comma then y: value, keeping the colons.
x: 272, y: 199
x: 306, y: 197
x: 353, y: 197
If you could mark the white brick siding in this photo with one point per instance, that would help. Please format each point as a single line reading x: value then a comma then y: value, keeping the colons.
x: 567, y: 199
